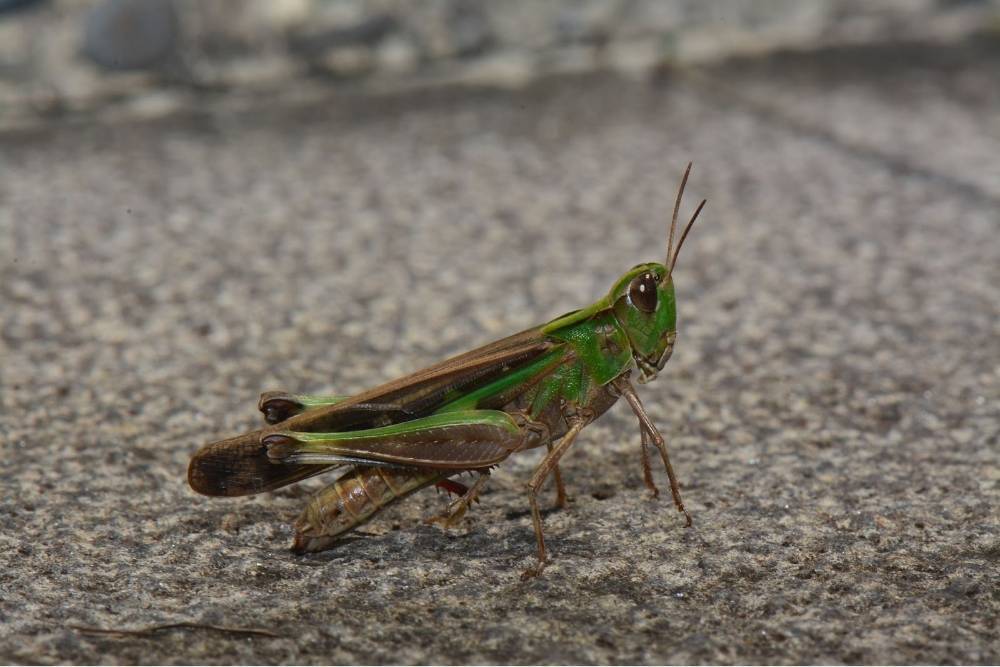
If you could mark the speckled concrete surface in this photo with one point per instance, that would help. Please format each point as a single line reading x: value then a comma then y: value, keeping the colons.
x: 831, y: 406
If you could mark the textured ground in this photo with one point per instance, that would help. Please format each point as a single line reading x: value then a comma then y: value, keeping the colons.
x: 832, y: 405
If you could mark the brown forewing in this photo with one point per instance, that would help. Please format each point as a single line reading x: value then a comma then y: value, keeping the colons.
x: 240, y: 466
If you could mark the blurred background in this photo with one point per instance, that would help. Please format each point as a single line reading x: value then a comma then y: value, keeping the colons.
x: 201, y: 200
x: 150, y: 57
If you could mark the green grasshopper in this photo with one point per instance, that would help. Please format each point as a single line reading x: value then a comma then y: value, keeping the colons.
x: 540, y: 387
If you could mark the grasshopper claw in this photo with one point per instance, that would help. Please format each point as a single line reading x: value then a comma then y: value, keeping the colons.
x: 449, y: 519
x: 458, y: 507
x: 534, y: 570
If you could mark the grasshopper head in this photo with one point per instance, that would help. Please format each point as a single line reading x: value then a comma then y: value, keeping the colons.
x: 644, y: 305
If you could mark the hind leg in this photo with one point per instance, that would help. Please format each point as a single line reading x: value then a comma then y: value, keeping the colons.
x: 458, y: 507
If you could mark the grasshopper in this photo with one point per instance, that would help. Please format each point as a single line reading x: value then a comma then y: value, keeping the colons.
x: 539, y: 387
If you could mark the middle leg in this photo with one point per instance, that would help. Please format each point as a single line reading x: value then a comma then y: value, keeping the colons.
x: 560, y: 487
x: 537, y: 480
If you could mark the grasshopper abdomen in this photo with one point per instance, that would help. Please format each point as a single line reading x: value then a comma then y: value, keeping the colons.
x: 353, y: 499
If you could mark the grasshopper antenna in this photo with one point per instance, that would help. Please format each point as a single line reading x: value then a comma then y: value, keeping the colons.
x: 673, y: 218
x: 685, y: 234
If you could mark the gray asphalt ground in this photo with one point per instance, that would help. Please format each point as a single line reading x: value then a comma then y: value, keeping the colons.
x: 832, y: 404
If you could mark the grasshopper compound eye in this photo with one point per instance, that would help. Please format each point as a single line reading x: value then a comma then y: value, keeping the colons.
x: 642, y: 292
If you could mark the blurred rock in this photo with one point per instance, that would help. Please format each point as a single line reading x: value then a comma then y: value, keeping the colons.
x: 313, y: 44
x: 131, y: 34
x: 17, y: 5
x: 469, y: 27
x: 591, y: 21
x: 398, y: 54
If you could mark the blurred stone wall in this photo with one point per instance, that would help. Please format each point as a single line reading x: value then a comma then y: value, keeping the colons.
x: 151, y: 56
